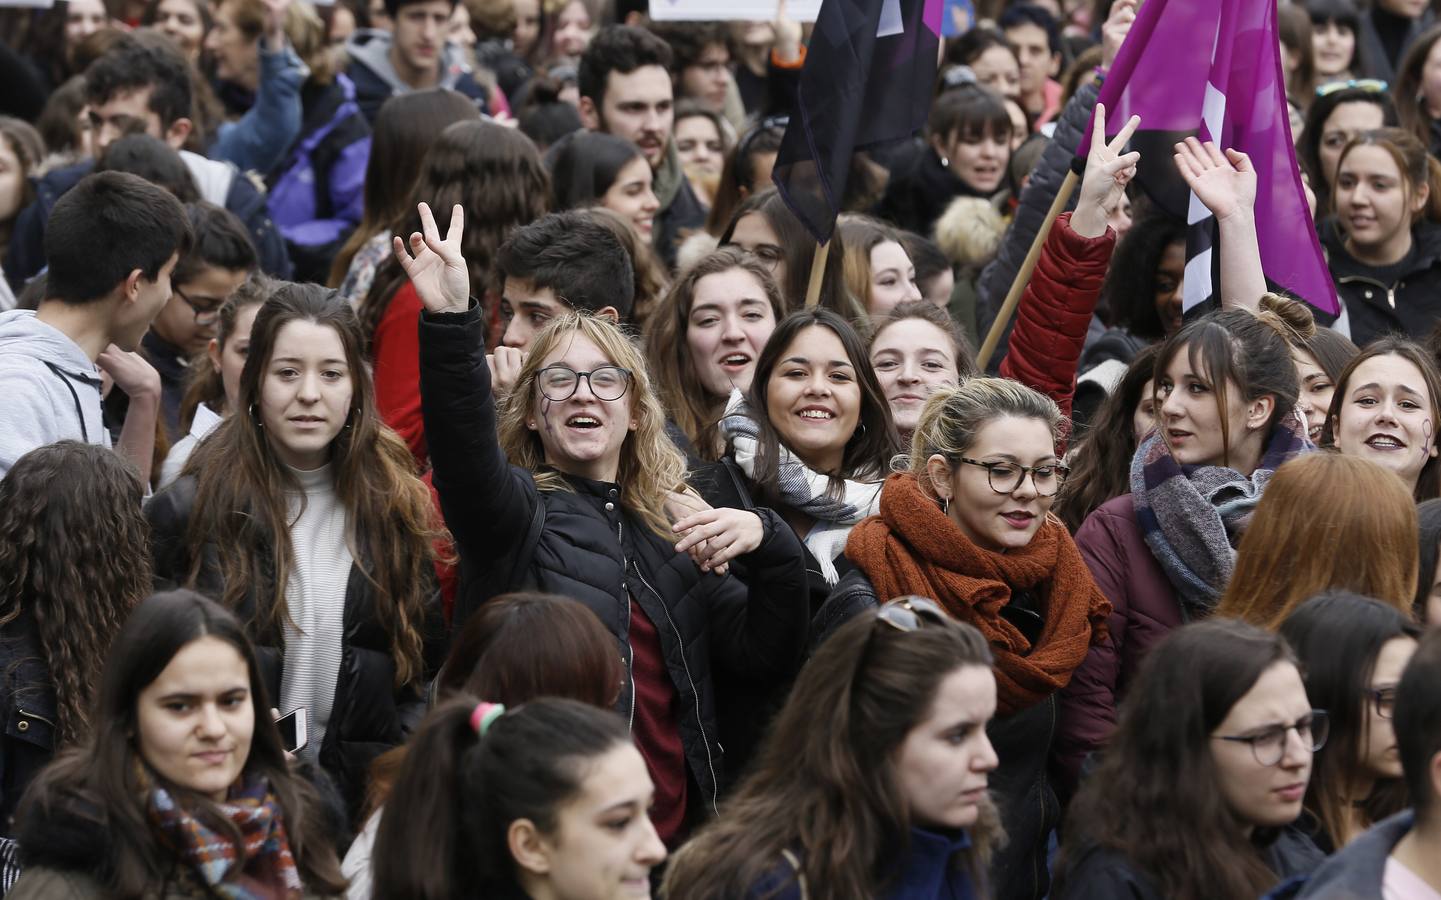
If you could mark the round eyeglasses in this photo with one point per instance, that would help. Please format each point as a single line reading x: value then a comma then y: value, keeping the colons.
x: 205, y: 314
x: 1006, y: 477
x: 1269, y: 744
x: 560, y: 382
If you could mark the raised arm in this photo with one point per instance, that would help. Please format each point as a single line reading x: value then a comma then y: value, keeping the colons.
x: 1226, y: 184
x: 485, y: 501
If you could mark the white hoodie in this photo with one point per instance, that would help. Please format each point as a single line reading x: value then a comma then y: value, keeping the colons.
x: 49, y: 389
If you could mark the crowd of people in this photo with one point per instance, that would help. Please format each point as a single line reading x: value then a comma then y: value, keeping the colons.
x: 423, y: 473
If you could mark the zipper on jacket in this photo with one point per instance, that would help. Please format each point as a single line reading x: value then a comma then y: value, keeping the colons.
x: 695, y: 692
x: 630, y: 656
x: 1362, y: 279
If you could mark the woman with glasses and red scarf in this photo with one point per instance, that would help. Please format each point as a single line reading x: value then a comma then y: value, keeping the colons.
x: 969, y: 525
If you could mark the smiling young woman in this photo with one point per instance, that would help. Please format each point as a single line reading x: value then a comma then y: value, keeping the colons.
x: 565, y: 489
x: 969, y: 525
x: 276, y: 514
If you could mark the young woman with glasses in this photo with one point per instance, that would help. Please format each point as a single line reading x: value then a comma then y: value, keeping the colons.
x: 881, y: 750
x: 1352, y: 650
x: 1197, y: 793
x: 564, y: 489
x: 970, y: 526
x: 1225, y: 390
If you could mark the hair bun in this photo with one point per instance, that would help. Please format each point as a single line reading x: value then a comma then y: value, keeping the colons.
x: 1291, y: 318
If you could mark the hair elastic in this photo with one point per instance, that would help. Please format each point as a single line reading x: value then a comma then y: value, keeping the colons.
x: 485, y: 715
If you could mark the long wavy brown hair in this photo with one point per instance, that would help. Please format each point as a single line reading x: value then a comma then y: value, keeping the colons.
x: 824, y: 786
x: 240, y: 499
x: 694, y: 410
x: 650, y: 465
x: 75, y: 557
x: 496, y: 174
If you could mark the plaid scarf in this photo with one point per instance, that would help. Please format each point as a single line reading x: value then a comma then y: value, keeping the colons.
x: 260, y: 869
x: 802, y: 489
x: 1192, y: 517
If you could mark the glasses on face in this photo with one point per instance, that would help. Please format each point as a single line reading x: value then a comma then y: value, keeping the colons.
x: 205, y: 313
x: 1269, y: 744
x: 1370, y: 85
x: 559, y: 382
x: 1006, y: 477
x: 1383, y: 700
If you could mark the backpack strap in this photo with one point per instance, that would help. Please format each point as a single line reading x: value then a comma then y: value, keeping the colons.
x: 532, y: 540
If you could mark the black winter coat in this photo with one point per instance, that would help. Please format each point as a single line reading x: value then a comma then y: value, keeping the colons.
x: 27, y: 701
x: 1410, y: 305
x: 1105, y: 874
x: 583, y: 543
x: 1021, y: 785
x: 370, y: 715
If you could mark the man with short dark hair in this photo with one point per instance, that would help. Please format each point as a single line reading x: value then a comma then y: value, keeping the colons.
x: 1400, y: 857
x: 1033, y: 33
x: 143, y: 85
x: 411, y: 55
x: 111, y: 247
x: 221, y: 257
x: 701, y: 51
x: 557, y: 264
x: 625, y: 90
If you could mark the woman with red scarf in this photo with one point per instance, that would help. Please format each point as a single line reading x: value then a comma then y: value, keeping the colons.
x: 969, y: 526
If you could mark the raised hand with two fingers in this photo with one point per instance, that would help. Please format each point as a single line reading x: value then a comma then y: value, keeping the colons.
x: 1108, y: 171
x: 436, y: 265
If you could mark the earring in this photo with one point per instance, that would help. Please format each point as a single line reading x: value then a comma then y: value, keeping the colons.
x: 255, y: 418
x: 946, y: 506
x: 945, y: 162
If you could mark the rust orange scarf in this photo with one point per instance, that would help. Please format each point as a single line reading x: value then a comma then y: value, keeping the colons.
x: 912, y: 547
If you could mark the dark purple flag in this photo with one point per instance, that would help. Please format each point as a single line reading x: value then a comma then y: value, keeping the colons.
x: 1212, y: 68
x: 869, y: 75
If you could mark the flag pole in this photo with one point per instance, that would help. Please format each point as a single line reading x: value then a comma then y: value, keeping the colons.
x: 818, y: 271
x: 1023, y: 277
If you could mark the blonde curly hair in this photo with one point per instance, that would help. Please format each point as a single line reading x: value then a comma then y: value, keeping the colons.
x: 650, y: 465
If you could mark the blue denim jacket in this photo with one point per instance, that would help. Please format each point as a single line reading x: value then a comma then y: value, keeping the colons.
x: 258, y: 141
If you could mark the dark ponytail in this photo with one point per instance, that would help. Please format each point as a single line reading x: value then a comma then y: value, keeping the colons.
x: 444, y: 827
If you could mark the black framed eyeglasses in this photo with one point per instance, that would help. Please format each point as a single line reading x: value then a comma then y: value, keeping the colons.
x: 205, y: 314
x: 1269, y: 744
x: 1384, y: 700
x: 559, y: 382
x: 1006, y: 477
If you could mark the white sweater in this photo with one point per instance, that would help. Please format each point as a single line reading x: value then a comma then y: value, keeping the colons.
x: 315, y: 597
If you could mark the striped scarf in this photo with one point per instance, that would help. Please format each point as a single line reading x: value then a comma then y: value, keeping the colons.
x: 260, y: 869
x: 803, y: 489
x: 1192, y: 517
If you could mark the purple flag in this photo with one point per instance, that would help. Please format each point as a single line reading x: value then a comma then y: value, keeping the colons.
x: 1212, y: 68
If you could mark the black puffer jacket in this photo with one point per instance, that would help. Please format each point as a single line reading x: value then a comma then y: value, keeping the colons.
x: 583, y: 543
x: 370, y: 715
x: 1021, y: 785
x: 27, y: 701
x: 1410, y: 305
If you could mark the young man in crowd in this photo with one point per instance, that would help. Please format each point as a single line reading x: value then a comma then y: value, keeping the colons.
x: 220, y: 259
x: 142, y: 84
x: 702, y: 57
x: 1401, y: 856
x: 112, y: 245
x: 626, y: 90
x: 1033, y: 33
x: 558, y: 264
x: 412, y: 55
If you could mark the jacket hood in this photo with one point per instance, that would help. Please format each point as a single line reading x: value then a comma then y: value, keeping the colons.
x: 24, y: 335
x: 969, y: 231
x: 370, y: 48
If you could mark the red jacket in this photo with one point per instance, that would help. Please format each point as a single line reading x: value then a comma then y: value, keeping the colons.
x: 1055, y: 312
x: 396, y: 351
x: 1144, y: 609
